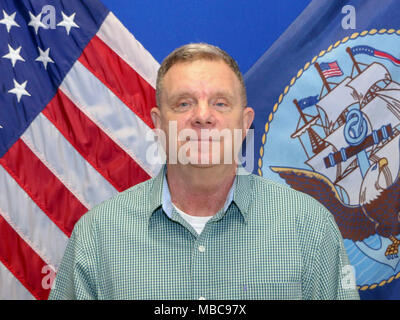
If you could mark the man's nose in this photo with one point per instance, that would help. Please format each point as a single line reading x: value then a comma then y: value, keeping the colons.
x: 203, y: 115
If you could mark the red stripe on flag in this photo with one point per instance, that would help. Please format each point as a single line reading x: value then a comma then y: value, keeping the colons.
x: 22, y: 261
x: 332, y: 73
x: 387, y: 56
x: 59, y: 204
x: 109, y: 159
x: 120, y: 78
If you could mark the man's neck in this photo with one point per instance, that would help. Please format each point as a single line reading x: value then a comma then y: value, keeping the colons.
x: 200, y: 191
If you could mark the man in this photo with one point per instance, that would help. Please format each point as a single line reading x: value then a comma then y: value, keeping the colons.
x: 202, y: 229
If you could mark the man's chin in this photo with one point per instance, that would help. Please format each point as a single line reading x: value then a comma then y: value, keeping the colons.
x: 203, y: 165
x: 208, y: 163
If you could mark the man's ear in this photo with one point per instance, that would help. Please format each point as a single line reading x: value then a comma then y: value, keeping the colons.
x: 248, y: 117
x: 155, y: 114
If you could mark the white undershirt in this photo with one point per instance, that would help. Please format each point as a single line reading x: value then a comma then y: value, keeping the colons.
x: 198, y: 223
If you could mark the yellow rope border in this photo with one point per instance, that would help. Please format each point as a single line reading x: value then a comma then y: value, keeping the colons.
x: 286, y: 90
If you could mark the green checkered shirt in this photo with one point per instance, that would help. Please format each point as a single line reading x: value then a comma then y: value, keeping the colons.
x: 271, y: 243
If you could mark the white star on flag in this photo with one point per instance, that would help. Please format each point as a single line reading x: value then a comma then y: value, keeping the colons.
x: 44, y: 57
x: 9, y: 21
x: 68, y: 22
x: 36, y: 22
x: 19, y: 90
x: 14, y: 55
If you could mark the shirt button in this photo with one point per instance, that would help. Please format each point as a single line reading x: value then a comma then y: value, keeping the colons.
x: 202, y: 298
x: 202, y: 248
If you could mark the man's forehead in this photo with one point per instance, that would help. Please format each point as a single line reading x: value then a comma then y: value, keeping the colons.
x: 203, y: 73
x: 181, y: 66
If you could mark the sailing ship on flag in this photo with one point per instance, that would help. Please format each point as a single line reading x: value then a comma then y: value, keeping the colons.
x: 352, y: 147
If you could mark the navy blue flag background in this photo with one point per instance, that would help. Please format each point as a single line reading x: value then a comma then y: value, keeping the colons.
x: 288, y: 73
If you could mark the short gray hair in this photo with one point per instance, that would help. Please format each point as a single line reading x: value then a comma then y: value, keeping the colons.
x: 197, y: 51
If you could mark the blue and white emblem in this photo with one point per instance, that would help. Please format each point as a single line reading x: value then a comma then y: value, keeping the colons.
x: 337, y: 129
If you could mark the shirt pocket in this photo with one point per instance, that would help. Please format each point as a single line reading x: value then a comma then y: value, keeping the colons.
x: 272, y: 291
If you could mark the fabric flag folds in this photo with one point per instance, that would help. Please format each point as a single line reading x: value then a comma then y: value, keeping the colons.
x: 344, y: 149
x: 76, y: 90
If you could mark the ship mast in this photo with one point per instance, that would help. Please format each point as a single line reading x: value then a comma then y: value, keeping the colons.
x: 317, y: 144
x: 371, y: 93
x: 355, y: 63
x: 324, y: 81
x: 341, y: 120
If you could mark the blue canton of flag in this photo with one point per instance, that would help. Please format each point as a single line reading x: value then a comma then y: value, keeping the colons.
x: 33, y: 66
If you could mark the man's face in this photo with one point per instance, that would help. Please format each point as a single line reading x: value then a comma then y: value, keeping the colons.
x: 204, y: 99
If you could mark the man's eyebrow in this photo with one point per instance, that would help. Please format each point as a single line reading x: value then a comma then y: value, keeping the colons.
x: 223, y: 94
x: 178, y: 95
x: 186, y: 94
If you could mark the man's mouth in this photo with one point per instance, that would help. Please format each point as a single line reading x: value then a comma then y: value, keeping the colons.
x: 204, y: 140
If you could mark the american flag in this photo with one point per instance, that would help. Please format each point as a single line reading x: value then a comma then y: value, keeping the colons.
x: 330, y: 69
x: 76, y: 91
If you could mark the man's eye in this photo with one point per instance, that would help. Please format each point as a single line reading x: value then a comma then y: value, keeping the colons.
x: 184, y: 104
x: 221, y: 104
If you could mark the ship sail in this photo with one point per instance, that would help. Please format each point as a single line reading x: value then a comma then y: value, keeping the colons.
x: 380, y: 112
x: 317, y: 164
x: 390, y: 151
x: 394, y: 94
x: 364, y: 81
x: 332, y: 173
x: 336, y: 101
x: 392, y: 85
x: 391, y: 94
x: 337, y: 139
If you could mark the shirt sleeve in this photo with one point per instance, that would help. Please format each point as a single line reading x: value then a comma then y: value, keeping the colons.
x: 76, y: 275
x: 331, y: 277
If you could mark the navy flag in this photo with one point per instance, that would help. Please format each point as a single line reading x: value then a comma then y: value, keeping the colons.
x: 345, y: 152
x: 308, y: 102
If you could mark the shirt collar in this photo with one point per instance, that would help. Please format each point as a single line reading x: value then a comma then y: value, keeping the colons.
x: 240, y: 193
x: 166, y: 202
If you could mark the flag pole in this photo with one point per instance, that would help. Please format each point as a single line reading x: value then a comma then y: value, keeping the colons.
x: 296, y: 103
x: 317, y: 144
x: 348, y: 50
x: 326, y: 84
